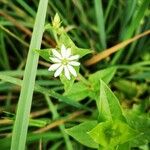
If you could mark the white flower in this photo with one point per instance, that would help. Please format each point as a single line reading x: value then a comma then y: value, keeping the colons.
x: 64, y: 61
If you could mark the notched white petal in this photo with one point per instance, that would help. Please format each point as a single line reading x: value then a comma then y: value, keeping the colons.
x: 74, y: 63
x: 64, y: 61
x: 72, y: 70
x: 66, y: 71
x: 74, y: 57
x: 54, y: 67
x: 56, y: 60
x: 56, y: 54
x: 68, y: 52
x: 63, y: 51
x: 58, y: 71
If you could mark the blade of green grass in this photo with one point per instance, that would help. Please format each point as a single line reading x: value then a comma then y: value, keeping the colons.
x: 14, y: 36
x: 110, y: 3
x: 61, y: 127
x: 10, y: 42
x: 5, y: 142
x: 40, y: 72
x: 128, y: 32
x: 43, y: 90
x: 27, y: 8
x: 4, y: 55
x: 25, y: 99
x: 132, y: 48
x: 100, y: 22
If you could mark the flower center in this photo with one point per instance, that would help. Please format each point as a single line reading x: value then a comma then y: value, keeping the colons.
x: 64, y: 61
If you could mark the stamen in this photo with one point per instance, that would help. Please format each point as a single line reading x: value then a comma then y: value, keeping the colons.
x: 64, y: 61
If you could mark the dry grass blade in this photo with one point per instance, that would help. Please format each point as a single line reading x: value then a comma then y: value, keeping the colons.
x: 60, y: 122
x: 96, y: 58
x: 26, y: 30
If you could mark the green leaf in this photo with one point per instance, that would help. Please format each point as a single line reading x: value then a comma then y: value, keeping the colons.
x: 78, y: 91
x: 108, y: 105
x: 5, y: 142
x: 79, y: 132
x: 44, y: 53
x: 81, y: 51
x: 68, y: 83
x: 141, y: 123
x: 65, y: 39
x: 125, y: 146
x: 112, y: 133
x: 106, y: 75
x: 124, y: 86
x: 43, y: 90
x: 56, y: 21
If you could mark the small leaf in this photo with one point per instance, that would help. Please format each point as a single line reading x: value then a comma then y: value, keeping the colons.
x: 56, y: 21
x: 112, y: 133
x: 68, y: 83
x: 125, y: 146
x: 106, y: 75
x: 81, y: 51
x: 79, y: 132
x: 141, y: 123
x: 44, y: 53
x: 78, y: 91
x: 108, y: 105
x: 65, y: 39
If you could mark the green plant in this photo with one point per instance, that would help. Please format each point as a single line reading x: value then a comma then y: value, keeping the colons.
x: 91, y: 87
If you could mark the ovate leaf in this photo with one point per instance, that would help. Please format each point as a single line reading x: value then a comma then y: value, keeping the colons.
x: 106, y: 75
x: 65, y: 39
x: 68, y: 83
x: 44, y: 53
x: 79, y: 132
x: 112, y: 133
x: 125, y: 146
x: 108, y: 105
x: 78, y: 91
x: 141, y: 122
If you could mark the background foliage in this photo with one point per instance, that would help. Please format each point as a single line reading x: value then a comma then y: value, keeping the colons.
x: 89, y: 106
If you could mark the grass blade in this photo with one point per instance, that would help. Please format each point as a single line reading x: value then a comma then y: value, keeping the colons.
x: 128, y: 32
x: 109, y: 51
x: 44, y: 91
x: 53, y: 109
x: 100, y: 22
x: 25, y: 99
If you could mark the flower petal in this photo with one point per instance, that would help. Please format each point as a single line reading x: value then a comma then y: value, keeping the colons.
x: 72, y: 70
x: 66, y: 71
x: 74, y: 57
x: 58, y: 71
x: 56, y: 54
x: 63, y: 51
x: 68, y: 53
x: 56, y: 60
x: 54, y: 67
x: 74, y: 63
